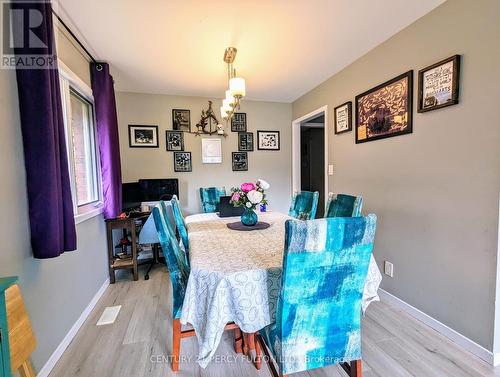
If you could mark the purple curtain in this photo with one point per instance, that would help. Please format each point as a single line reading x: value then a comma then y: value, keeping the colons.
x: 107, y: 134
x: 51, y: 215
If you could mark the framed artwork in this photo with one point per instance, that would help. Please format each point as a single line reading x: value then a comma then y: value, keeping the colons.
x: 239, y: 122
x: 175, y: 141
x: 386, y: 110
x: 343, y: 118
x: 181, y: 120
x: 182, y: 162
x: 438, y: 84
x: 240, y: 161
x: 245, y: 141
x: 142, y: 136
x: 211, y: 151
x: 268, y: 140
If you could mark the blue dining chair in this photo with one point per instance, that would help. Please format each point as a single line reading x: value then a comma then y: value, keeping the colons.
x: 180, y: 223
x: 179, y: 273
x: 318, y: 315
x: 304, y: 205
x: 342, y: 205
x: 210, y: 198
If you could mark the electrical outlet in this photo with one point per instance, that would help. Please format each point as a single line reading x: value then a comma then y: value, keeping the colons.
x: 389, y: 269
x: 330, y: 169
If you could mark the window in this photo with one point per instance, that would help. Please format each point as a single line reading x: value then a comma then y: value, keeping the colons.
x: 78, y: 109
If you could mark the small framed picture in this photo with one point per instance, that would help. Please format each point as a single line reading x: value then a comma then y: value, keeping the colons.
x: 181, y: 120
x: 142, y: 136
x: 343, y: 118
x: 268, y: 140
x: 438, y: 84
x: 240, y: 161
x: 239, y: 122
x: 175, y: 141
x: 245, y: 141
x: 211, y: 151
x: 182, y: 162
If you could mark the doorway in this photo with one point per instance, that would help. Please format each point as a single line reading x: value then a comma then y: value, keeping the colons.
x: 310, y: 155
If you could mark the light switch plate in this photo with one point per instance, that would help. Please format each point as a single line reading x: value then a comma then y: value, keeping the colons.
x: 389, y: 269
x: 330, y: 169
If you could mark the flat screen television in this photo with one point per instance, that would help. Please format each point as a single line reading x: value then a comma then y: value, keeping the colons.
x: 148, y: 190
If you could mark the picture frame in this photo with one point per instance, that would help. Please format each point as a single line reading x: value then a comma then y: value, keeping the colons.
x: 174, y: 141
x: 385, y: 110
x: 211, y: 151
x: 240, y: 161
x: 182, y: 162
x: 439, y: 84
x: 245, y: 141
x: 268, y: 140
x: 239, y: 122
x: 142, y: 136
x: 181, y: 120
x: 343, y: 118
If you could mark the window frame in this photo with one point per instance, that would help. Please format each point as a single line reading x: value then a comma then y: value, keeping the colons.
x: 70, y: 82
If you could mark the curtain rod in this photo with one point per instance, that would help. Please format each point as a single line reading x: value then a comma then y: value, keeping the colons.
x: 76, y: 39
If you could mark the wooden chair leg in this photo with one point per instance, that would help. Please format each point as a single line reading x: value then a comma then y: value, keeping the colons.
x: 26, y: 369
x: 354, y: 368
x: 176, y: 344
x: 238, y: 341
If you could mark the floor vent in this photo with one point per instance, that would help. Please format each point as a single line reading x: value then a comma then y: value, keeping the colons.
x: 109, y: 315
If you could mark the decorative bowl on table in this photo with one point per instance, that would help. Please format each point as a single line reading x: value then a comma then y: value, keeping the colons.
x: 249, y: 195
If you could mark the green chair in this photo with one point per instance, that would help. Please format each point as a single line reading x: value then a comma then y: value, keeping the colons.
x: 304, y: 205
x: 342, y: 205
x: 210, y: 198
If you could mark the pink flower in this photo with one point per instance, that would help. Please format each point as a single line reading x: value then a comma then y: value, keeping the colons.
x: 247, y: 187
x: 235, y: 197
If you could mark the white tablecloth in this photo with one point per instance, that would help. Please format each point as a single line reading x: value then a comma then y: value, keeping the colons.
x: 235, y: 276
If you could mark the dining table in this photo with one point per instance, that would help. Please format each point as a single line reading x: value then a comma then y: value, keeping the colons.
x: 236, y: 275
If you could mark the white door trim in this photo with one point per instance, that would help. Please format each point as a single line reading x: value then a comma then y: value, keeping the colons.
x: 296, y: 148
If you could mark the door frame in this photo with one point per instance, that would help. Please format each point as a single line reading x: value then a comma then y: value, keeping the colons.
x: 296, y: 179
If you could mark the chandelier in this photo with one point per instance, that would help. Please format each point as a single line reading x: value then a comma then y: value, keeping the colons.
x: 236, y: 89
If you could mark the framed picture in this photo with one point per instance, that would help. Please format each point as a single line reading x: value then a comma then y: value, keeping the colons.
x: 245, y: 141
x: 268, y: 140
x: 239, y: 122
x: 343, y: 118
x: 211, y: 151
x: 438, y: 84
x: 182, y: 162
x: 175, y: 141
x: 181, y: 120
x: 386, y: 110
x: 142, y: 136
x: 240, y: 161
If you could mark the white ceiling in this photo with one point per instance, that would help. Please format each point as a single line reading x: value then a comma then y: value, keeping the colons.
x: 285, y: 47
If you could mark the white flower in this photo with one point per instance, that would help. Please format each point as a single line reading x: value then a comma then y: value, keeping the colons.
x: 255, y: 196
x: 248, y: 204
x: 263, y: 184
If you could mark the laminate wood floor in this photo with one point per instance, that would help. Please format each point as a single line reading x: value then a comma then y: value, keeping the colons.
x: 138, y: 344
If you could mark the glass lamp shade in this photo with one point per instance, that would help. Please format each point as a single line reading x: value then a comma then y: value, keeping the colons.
x: 237, y: 86
x: 230, y: 98
x: 223, y: 112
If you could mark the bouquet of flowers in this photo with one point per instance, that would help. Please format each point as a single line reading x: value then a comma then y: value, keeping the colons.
x: 249, y: 195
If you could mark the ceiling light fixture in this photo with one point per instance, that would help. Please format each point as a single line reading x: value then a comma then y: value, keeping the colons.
x: 236, y: 89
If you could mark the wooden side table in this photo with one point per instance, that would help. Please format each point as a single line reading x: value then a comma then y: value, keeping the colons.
x: 127, y: 225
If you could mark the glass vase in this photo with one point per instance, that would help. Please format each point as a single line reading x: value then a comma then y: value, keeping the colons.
x: 249, y: 217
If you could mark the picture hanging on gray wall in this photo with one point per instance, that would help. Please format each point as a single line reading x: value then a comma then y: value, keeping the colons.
x: 182, y: 162
x: 268, y: 140
x: 142, y: 136
x: 175, y: 141
x: 245, y: 142
x: 239, y: 122
x: 181, y: 120
x: 240, y: 161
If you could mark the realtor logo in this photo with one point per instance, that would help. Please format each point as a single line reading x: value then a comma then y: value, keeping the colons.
x: 25, y: 44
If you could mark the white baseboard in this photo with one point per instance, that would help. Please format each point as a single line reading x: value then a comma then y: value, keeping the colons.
x: 441, y: 328
x: 56, y: 355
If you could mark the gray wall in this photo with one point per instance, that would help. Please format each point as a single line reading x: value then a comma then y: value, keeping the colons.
x: 151, y: 109
x: 56, y: 291
x: 435, y: 191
